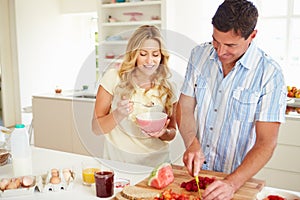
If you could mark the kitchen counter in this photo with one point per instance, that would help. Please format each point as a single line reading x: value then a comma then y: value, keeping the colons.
x: 77, y: 95
x: 45, y: 159
x: 90, y: 96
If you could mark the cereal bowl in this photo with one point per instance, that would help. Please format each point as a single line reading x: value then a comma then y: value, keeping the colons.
x: 151, y: 121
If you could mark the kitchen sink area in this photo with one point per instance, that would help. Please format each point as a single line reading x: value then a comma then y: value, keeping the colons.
x: 85, y: 95
x: 88, y: 96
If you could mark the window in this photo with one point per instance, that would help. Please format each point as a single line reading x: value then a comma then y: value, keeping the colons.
x: 279, y: 36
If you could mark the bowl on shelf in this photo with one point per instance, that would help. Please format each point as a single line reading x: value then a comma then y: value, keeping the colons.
x: 133, y: 15
x: 151, y: 121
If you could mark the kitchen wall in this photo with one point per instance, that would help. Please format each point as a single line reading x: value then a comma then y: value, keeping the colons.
x: 52, y: 46
x: 185, y: 30
x: 54, y: 40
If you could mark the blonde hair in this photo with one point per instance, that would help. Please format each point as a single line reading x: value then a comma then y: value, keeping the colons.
x: 128, y: 66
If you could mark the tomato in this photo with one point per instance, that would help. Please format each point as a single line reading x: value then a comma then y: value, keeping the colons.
x: 170, y: 195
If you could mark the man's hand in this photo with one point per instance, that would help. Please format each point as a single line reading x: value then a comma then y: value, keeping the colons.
x: 193, y: 158
x: 219, y: 190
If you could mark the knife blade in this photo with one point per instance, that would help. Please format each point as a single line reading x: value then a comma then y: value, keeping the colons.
x: 197, y: 182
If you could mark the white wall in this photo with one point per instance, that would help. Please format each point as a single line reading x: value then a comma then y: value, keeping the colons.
x: 78, y: 6
x: 191, y: 18
x: 52, y: 47
x: 188, y: 24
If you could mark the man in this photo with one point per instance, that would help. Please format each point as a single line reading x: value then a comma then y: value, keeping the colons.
x: 232, y: 102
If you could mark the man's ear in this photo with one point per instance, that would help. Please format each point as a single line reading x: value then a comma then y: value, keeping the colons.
x: 253, y: 34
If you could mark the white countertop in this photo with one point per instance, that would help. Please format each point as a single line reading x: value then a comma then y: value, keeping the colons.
x: 69, y: 95
x: 76, y: 95
x: 45, y: 159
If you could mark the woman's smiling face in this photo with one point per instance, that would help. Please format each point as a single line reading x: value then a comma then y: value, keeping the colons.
x: 149, y: 57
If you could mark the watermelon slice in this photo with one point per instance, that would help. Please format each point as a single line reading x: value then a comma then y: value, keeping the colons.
x: 161, y: 176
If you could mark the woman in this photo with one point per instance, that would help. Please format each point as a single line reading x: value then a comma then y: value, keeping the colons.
x: 123, y: 93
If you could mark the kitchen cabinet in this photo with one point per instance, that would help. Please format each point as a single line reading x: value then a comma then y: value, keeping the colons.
x: 117, y: 21
x: 65, y: 124
x: 283, y: 170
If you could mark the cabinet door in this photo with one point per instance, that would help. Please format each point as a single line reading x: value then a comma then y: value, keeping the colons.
x: 84, y: 140
x: 283, y: 170
x: 52, y: 124
x: 289, y: 132
x: 280, y: 179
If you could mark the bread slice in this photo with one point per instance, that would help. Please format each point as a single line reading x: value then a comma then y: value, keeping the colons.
x: 119, y: 196
x: 139, y: 193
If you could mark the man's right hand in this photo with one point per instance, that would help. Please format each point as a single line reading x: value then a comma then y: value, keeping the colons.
x: 193, y: 158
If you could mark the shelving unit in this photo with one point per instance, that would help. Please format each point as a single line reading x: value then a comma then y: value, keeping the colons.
x: 115, y: 26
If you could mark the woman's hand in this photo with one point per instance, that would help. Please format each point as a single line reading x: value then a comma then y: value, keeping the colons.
x: 167, y: 133
x: 158, y: 134
x: 124, y: 108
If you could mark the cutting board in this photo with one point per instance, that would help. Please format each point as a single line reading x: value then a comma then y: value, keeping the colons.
x: 247, y: 192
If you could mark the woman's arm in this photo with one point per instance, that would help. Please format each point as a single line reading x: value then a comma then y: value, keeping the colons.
x: 104, y: 121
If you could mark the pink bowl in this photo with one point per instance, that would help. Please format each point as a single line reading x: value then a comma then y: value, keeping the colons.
x: 151, y: 121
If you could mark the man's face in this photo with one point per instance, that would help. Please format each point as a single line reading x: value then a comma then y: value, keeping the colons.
x: 230, y: 46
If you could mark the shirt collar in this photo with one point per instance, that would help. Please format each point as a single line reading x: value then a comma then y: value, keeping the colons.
x: 248, y: 60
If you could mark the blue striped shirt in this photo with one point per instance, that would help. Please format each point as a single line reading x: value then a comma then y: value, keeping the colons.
x: 228, y: 107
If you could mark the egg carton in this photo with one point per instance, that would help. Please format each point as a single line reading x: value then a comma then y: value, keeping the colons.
x: 22, y: 190
x: 66, y: 181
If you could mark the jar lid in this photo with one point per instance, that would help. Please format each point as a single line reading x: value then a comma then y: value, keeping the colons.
x: 19, y: 126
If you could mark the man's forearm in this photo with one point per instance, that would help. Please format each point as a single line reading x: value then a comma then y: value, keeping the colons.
x: 253, y: 163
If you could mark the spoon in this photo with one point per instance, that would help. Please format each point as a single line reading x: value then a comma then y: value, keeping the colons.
x: 148, y: 105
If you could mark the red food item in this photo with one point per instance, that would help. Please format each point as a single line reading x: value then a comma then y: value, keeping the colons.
x: 274, y: 197
x: 58, y: 91
x: 161, y: 176
x: 170, y: 195
x: 191, y: 185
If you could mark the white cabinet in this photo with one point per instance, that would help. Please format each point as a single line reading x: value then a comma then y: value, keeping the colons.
x: 283, y: 170
x: 117, y: 21
x: 65, y: 124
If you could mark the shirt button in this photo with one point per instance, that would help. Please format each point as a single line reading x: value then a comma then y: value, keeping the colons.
x: 215, y: 110
x: 207, y: 145
x: 211, y: 128
x: 220, y: 91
